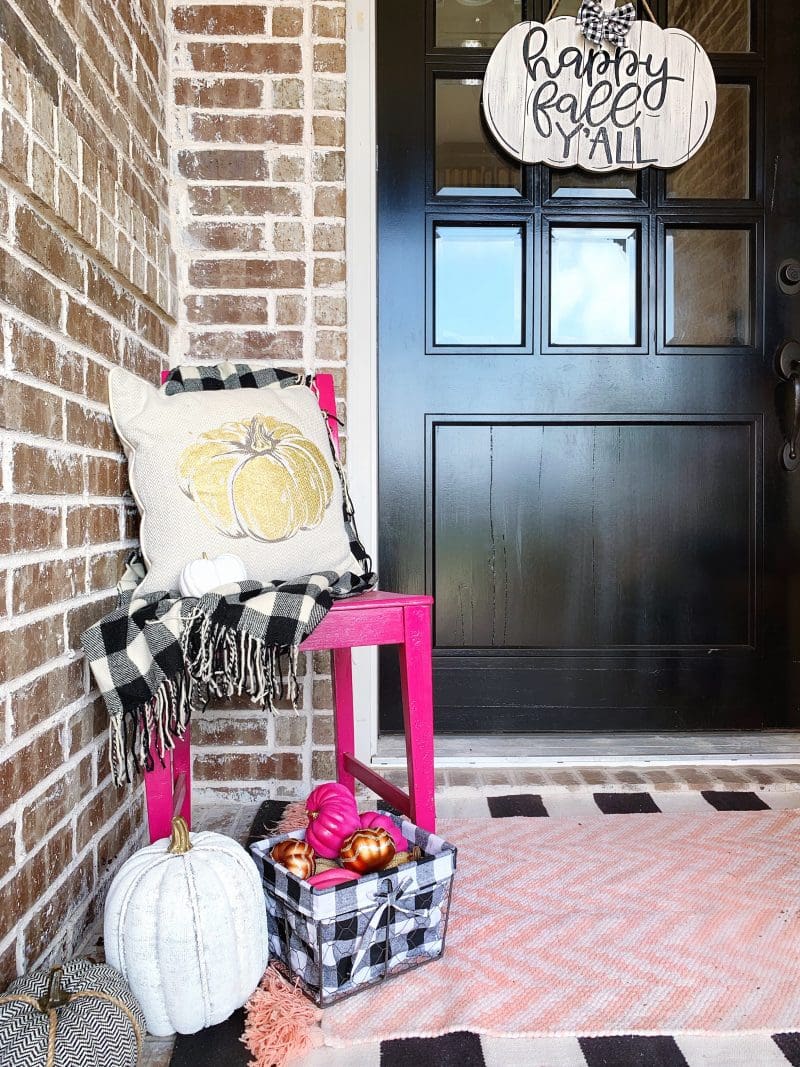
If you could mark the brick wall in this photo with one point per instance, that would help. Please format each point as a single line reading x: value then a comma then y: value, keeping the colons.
x: 257, y: 140
x: 86, y: 281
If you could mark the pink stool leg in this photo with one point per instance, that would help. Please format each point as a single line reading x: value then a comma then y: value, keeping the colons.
x: 182, y: 765
x: 158, y: 795
x: 417, y: 683
x: 342, y: 677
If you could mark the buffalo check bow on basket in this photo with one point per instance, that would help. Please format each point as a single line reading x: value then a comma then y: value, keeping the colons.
x: 221, y: 459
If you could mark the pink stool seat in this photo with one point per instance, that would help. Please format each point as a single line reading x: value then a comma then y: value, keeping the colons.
x: 373, y: 618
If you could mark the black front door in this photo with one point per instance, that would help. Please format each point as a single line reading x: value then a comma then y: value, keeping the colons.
x: 579, y: 439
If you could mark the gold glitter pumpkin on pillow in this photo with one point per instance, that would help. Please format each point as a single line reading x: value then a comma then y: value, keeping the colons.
x: 243, y: 471
x: 261, y: 478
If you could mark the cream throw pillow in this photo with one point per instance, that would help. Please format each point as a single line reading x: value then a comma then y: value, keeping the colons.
x: 244, y: 471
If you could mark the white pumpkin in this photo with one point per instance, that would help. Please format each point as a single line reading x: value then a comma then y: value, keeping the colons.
x: 185, y: 922
x: 200, y: 576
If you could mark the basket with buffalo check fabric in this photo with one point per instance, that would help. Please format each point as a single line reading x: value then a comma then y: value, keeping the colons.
x: 337, y: 941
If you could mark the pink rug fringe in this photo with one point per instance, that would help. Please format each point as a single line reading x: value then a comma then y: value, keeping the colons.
x: 294, y: 818
x: 280, y: 1023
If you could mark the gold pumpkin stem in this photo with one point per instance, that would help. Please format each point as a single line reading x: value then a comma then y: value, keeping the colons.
x: 179, y: 843
x: 55, y: 997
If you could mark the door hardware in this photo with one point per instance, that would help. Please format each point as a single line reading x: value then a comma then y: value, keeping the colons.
x: 789, y: 277
x: 788, y: 367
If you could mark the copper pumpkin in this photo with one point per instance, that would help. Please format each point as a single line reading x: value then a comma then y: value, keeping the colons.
x: 296, y: 856
x: 370, y: 849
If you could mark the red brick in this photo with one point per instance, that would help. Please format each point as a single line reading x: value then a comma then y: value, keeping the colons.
x: 8, y: 965
x: 86, y: 326
x: 15, y: 147
x: 46, y: 470
x: 105, y: 570
x: 223, y: 165
x: 216, y: 731
x: 79, y: 619
x: 47, y: 695
x: 36, y: 585
x: 24, y: 528
x: 34, y: 354
x: 287, y: 21
x: 290, y: 309
x: 329, y: 272
x: 91, y: 428
x: 29, y: 410
x: 95, y: 524
x: 110, y: 296
x: 329, y: 58
x: 41, y: 815
x: 29, y: 291
x: 331, y: 344
x: 328, y: 131
x: 246, y: 58
x: 23, y: 891
x: 106, y: 477
x: 247, y: 273
x: 329, y: 201
x: 248, y: 129
x: 6, y: 848
x: 329, y: 21
x: 226, y: 236
x: 243, y: 200
x: 101, y: 809
x: 221, y: 92
x: 28, y: 647
x: 250, y: 344
x: 230, y: 20
x: 44, y: 245
x: 46, y: 924
x: 239, y: 310
x: 247, y: 766
x: 152, y: 328
x: 87, y: 724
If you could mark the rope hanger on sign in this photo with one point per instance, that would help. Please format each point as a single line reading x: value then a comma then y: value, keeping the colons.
x: 645, y: 5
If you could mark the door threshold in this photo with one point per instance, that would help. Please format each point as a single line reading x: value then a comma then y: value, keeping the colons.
x: 602, y: 750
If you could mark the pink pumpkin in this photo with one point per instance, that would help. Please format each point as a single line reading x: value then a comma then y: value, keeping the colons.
x: 333, y: 876
x: 376, y: 820
x: 329, y: 826
x: 328, y: 792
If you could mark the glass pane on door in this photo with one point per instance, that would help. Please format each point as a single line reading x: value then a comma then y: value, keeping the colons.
x: 721, y: 169
x: 478, y: 285
x: 707, y: 287
x: 719, y: 25
x: 593, y: 285
x: 474, y: 23
x: 580, y: 183
x: 466, y: 161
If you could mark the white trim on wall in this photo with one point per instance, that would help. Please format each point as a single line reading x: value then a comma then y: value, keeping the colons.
x: 362, y: 369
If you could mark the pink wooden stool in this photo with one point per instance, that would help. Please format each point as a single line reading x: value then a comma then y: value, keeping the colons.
x: 374, y: 618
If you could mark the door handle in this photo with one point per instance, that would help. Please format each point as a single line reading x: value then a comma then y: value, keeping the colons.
x: 788, y: 367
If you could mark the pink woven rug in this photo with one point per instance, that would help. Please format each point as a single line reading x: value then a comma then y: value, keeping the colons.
x: 631, y: 924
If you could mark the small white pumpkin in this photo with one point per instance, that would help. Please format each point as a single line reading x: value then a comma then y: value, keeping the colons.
x: 200, y: 576
x: 185, y: 922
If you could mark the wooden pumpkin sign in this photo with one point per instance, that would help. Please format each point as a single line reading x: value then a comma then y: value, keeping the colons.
x: 552, y: 95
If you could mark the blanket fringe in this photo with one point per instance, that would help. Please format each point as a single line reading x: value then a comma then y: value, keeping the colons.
x: 280, y: 1022
x: 219, y: 662
x: 222, y: 663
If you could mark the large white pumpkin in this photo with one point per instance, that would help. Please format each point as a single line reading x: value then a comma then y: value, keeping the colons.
x: 185, y: 922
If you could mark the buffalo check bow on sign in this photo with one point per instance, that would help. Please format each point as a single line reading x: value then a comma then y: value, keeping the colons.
x: 603, y: 91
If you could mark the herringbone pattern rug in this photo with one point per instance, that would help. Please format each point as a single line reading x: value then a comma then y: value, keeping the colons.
x: 630, y: 925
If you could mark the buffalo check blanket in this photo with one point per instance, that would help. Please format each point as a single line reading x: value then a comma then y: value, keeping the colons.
x: 160, y: 657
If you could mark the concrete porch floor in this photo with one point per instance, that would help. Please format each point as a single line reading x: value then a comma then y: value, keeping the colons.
x: 452, y: 783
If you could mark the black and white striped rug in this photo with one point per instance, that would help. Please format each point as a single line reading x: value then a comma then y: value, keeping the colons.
x: 220, y: 1046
